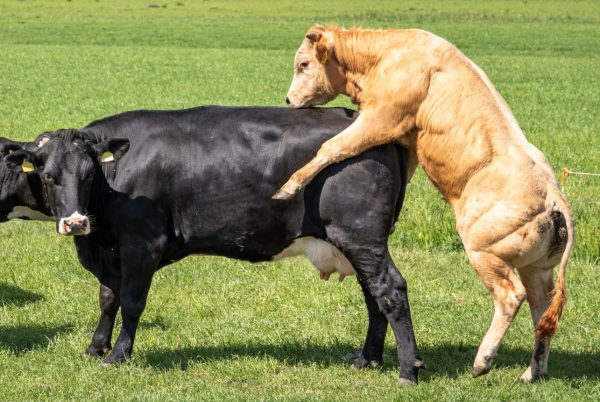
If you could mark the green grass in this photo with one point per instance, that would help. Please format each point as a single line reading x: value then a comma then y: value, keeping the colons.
x: 217, y: 328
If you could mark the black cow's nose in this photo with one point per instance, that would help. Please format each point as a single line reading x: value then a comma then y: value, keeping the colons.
x: 287, y: 100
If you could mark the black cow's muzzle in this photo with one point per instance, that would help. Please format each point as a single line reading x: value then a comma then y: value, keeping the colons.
x: 74, y: 225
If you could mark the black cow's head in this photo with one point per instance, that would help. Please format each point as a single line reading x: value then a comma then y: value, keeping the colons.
x: 67, y: 164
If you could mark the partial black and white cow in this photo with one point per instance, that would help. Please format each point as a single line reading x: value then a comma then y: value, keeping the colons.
x: 21, y: 196
x: 143, y: 189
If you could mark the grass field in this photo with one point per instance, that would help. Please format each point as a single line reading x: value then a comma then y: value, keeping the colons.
x: 223, y: 329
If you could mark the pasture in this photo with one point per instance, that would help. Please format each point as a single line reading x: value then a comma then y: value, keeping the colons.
x: 222, y: 329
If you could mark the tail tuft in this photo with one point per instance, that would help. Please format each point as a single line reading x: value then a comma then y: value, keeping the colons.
x: 548, y: 323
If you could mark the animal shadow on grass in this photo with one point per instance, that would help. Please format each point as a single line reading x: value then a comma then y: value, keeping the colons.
x: 448, y: 361
x: 24, y: 338
x: 451, y: 361
x: 14, y: 296
x: 291, y: 353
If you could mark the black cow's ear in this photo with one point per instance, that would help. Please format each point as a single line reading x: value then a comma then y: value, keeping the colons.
x: 22, y: 161
x: 111, y: 150
x: 8, y: 148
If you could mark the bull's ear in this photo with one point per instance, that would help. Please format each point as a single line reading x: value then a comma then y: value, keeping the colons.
x: 22, y: 161
x: 111, y: 150
x: 315, y: 33
x: 313, y: 36
x: 322, y: 41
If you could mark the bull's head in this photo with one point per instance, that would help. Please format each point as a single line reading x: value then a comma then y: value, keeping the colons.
x: 67, y: 164
x: 318, y: 76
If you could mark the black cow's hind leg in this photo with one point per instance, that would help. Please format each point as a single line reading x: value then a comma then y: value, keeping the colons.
x: 371, y: 355
x: 384, y: 282
x: 109, y: 305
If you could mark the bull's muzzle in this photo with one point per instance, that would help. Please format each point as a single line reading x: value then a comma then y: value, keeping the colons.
x: 74, y: 225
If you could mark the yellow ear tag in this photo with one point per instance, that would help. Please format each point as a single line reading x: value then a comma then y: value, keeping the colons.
x: 324, y: 57
x: 10, y: 151
x: 27, y: 167
x: 107, y: 156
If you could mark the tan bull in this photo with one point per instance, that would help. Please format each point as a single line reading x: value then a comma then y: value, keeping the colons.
x: 417, y: 89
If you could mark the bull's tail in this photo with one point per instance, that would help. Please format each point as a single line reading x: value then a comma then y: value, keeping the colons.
x: 548, y: 323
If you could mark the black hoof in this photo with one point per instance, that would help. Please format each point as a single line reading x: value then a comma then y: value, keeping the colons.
x: 95, y: 351
x: 359, y: 362
x: 406, y: 381
x: 114, y: 359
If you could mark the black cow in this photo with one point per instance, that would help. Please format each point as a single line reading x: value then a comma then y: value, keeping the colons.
x: 161, y: 185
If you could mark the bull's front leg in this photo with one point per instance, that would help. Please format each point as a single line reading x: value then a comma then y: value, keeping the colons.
x: 109, y: 305
x: 355, y: 139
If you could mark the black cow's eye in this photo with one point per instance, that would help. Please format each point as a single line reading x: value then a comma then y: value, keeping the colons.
x: 49, y: 178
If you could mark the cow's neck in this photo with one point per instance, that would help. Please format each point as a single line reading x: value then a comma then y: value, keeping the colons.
x: 99, y: 197
x: 357, y: 52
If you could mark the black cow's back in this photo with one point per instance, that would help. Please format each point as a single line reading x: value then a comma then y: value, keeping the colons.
x: 211, y: 171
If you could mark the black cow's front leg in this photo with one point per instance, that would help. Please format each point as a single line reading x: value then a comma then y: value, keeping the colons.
x: 138, y: 267
x: 371, y: 355
x: 109, y: 305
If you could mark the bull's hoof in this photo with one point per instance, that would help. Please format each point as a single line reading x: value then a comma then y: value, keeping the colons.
x: 287, y: 191
x: 480, y: 370
x: 283, y: 195
x: 95, y: 351
x: 406, y: 381
x: 529, y: 377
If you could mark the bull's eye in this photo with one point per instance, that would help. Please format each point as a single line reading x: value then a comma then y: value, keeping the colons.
x: 303, y: 66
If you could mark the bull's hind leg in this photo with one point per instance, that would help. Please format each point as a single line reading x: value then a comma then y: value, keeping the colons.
x: 508, y: 294
x: 109, y: 305
x: 383, y: 281
x: 539, y: 284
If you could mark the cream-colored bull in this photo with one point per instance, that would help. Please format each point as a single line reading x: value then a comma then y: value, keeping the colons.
x: 417, y: 89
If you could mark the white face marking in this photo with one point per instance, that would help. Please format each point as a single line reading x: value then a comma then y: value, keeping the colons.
x: 25, y: 212
x: 65, y: 224
x: 325, y: 257
x: 43, y: 141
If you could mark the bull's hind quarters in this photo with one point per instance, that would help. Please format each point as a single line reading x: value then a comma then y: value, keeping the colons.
x: 417, y: 89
